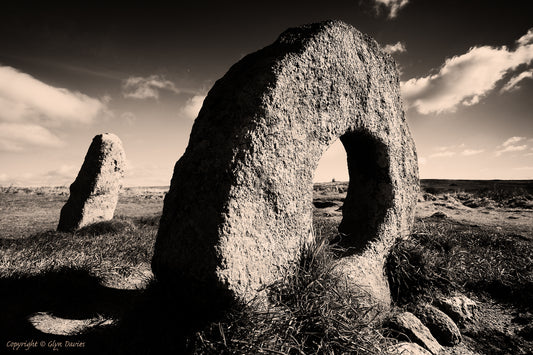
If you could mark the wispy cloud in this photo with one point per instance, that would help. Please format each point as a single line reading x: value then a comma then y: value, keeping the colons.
x: 527, y: 38
x: 467, y: 78
x: 29, y: 109
x: 513, y: 83
x: 192, y: 106
x: 16, y: 137
x: 443, y: 154
x: 524, y: 168
x: 24, y: 98
x: 513, y: 140
x: 453, y: 150
x: 469, y: 152
x: 58, y: 176
x: 129, y: 117
x: 391, y: 6
x: 397, y: 47
x: 138, y: 87
x: 510, y: 146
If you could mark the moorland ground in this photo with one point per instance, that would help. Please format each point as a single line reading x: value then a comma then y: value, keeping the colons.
x: 94, y: 288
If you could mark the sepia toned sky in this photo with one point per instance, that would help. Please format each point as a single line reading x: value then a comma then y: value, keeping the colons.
x: 69, y: 73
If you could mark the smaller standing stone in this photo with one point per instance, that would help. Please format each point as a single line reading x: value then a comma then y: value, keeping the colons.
x: 460, y: 308
x: 407, y: 324
x: 94, y: 194
x: 441, y: 326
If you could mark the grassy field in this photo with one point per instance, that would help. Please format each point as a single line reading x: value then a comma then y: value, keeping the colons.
x: 92, y: 291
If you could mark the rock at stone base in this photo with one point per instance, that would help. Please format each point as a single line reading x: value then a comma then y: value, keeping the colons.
x: 409, y: 325
x: 441, y: 326
x: 407, y: 349
x: 94, y: 194
x: 439, y: 214
x: 527, y: 332
x: 459, y: 308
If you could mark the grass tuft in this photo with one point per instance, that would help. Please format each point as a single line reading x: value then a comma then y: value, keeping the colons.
x: 310, y: 312
x: 114, y: 226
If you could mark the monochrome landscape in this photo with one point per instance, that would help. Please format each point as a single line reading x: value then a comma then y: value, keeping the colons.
x: 332, y: 180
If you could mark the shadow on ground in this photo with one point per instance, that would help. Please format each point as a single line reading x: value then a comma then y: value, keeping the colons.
x: 155, y: 320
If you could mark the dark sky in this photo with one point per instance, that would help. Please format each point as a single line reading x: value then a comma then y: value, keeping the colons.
x: 93, y: 49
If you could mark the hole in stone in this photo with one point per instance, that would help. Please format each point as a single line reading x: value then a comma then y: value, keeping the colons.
x: 369, y: 194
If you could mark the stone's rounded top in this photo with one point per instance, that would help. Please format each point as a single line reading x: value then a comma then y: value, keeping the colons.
x: 310, y: 31
x: 330, y: 31
x: 108, y: 137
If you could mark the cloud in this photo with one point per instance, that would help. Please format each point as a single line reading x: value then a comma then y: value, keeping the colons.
x: 392, y: 6
x: 469, y: 152
x: 17, y: 136
x: 526, y: 39
x: 443, y: 154
x: 512, y: 140
x: 511, y: 148
x: 59, y: 176
x: 398, y: 47
x: 24, y: 98
x: 192, y: 106
x: 28, y: 106
x: 452, y: 150
x: 64, y: 173
x: 512, y: 84
x: 510, y: 145
x: 129, y: 117
x: 465, y: 79
x: 137, y: 87
x: 148, y: 175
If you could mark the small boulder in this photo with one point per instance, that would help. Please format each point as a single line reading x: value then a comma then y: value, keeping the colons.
x: 94, y: 194
x: 406, y: 348
x: 527, y: 332
x: 459, y: 308
x: 439, y: 214
x: 409, y: 325
x: 441, y: 326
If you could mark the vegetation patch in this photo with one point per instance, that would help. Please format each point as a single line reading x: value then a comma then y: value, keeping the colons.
x: 444, y: 256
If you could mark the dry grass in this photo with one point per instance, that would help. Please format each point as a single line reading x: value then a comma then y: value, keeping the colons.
x: 45, y: 270
x: 442, y: 256
x: 117, y: 246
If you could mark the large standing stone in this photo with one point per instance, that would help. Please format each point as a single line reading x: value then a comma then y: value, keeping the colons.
x: 94, y: 193
x: 239, y: 209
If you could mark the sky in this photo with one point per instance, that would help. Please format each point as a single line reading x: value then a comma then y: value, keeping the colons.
x: 142, y: 71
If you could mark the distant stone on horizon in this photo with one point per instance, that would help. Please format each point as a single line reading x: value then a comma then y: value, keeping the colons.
x: 239, y: 210
x: 94, y: 194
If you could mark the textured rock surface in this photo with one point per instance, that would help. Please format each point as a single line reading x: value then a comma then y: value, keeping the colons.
x: 239, y: 209
x: 441, y: 326
x: 408, y: 324
x: 408, y: 349
x: 460, y: 308
x: 94, y: 193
